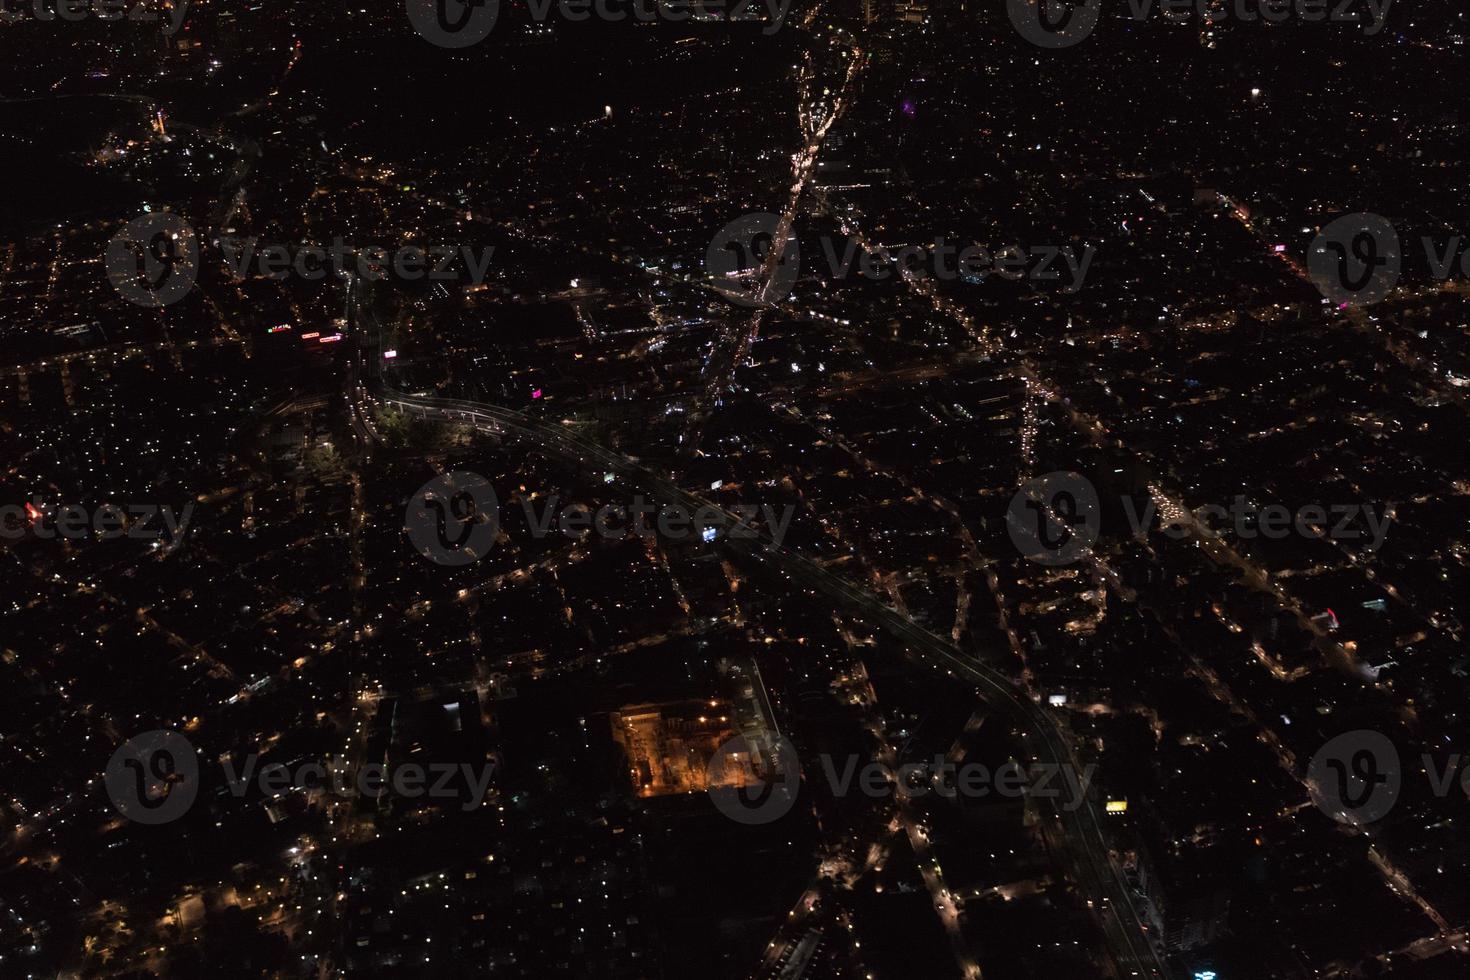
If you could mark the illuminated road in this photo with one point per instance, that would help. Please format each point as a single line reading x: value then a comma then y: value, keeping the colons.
x: 1098, y: 874
x: 733, y: 343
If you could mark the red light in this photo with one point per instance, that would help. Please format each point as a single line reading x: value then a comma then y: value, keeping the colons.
x: 35, y: 515
x: 536, y: 393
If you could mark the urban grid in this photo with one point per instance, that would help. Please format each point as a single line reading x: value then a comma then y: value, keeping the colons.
x: 734, y: 489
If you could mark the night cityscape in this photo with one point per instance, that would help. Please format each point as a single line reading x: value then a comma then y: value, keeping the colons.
x: 735, y: 489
